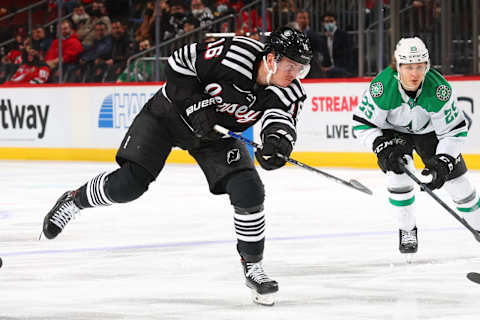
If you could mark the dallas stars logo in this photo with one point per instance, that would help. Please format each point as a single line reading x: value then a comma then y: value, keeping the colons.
x: 443, y: 92
x: 376, y: 89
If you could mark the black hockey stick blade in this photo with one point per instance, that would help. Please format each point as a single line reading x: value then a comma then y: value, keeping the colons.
x: 357, y: 185
x: 474, y: 277
x: 352, y: 183
x: 425, y: 188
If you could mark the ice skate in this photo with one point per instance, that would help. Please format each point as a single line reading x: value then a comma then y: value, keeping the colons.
x: 263, y: 288
x: 61, y: 213
x: 408, y: 241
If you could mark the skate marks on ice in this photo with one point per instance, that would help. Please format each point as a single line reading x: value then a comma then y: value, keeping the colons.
x: 335, y: 261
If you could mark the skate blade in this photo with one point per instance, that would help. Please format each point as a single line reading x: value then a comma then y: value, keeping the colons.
x: 268, y: 299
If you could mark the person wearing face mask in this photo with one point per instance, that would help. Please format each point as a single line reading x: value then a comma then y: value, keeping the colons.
x: 176, y: 20
x: 337, y: 54
x: 146, y: 29
x: 407, y: 107
x: 79, y: 16
x: 86, y: 32
x: 223, y: 8
x: 203, y: 14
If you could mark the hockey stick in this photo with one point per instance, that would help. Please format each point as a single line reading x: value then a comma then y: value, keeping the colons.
x: 474, y: 277
x: 352, y: 183
x: 424, y: 187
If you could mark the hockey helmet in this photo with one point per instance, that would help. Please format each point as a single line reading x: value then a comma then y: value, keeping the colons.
x: 411, y: 50
x: 291, y: 43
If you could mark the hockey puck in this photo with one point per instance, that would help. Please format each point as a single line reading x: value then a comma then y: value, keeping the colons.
x: 474, y: 276
x: 1, y: 262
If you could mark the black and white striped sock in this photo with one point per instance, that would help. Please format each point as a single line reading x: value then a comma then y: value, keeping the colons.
x: 95, y: 191
x: 250, y: 227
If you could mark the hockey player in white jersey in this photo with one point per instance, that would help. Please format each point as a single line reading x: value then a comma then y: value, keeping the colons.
x: 407, y: 107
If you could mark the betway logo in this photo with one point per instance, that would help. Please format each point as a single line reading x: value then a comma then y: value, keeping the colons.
x: 31, y: 117
x: 119, y: 109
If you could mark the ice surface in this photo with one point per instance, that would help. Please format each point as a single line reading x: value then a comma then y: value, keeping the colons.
x: 171, y: 254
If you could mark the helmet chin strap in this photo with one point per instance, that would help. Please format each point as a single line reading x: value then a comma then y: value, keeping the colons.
x: 270, y: 73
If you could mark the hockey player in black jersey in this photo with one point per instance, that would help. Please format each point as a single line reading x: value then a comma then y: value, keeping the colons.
x: 231, y: 82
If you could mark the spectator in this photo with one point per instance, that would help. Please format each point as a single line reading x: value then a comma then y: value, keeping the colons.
x: 118, y: 9
x: 12, y: 59
x: 302, y: 22
x: 33, y: 69
x: 190, y: 24
x: 223, y: 8
x: 92, y: 60
x: 71, y: 47
x: 14, y: 55
x: 178, y: 16
x: 122, y: 48
x: 5, y: 31
x: 143, y: 70
x: 80, y: 16
x: 283, y: 12
x: 203, y: 14
x: 135, y: 17
x: 40, y: 40
x: 147, y: 28
x: 338, y: 53
x: 86, y: 34
x: 251, y: 20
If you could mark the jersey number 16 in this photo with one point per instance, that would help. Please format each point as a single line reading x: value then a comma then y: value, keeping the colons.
x: 214, y: 49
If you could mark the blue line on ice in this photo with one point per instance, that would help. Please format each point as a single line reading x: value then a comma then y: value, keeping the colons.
x: 213, y: 242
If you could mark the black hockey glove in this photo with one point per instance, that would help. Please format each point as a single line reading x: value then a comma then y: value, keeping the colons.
x: 389, y: 150
x: 203, y: 120
x: 439, y: 166
x: 273, y: 143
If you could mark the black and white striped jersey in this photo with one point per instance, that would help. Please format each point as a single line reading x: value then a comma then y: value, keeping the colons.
x: 227, y: 68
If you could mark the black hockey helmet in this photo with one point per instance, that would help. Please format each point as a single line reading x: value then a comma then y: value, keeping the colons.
x: 291, y: 43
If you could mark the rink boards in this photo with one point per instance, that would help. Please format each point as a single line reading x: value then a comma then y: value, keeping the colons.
x: 88, y: 122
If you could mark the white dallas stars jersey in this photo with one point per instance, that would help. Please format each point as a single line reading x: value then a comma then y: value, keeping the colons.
x: 226, y: 68
x: 385, y: 105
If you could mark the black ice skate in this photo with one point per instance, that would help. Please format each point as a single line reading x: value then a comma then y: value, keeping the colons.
x: 408, y: 241
x: 62, y: 212
x: 263, y: 288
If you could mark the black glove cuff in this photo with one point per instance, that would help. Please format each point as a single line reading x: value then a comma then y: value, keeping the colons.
x: 447, y: 161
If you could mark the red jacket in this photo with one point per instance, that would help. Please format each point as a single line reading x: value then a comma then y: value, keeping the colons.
x: 71, y: 49
x: 14, y: 56
x: 30, y: 74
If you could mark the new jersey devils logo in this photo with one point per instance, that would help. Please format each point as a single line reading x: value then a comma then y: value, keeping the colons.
x: 233, y: 155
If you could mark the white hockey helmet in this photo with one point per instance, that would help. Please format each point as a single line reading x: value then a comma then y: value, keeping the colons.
x: 411, y: 50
